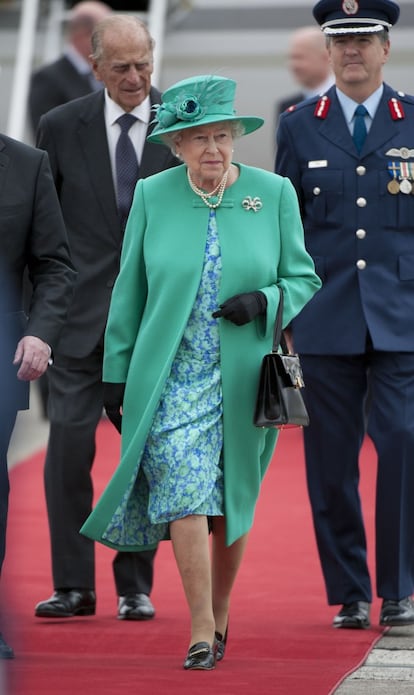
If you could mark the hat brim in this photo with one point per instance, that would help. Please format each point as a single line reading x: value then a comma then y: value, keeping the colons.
x: 250, y: 123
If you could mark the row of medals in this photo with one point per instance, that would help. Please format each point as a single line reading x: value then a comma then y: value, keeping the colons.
x: 404, y: 186
x: 402, y: 176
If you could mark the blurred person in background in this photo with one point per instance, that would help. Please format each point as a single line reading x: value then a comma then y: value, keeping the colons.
x: 33, y: 238
x: 71, y: 75
x: 309, y: 65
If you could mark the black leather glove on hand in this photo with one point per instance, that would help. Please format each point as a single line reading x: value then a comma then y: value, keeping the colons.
x: 113, y: 397
x: 242, y: 308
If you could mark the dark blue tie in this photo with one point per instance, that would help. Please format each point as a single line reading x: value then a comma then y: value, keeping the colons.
x: 360, y: 129
x: 127, y: 167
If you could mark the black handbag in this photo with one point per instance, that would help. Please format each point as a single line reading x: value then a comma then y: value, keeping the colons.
x: 279, y: 401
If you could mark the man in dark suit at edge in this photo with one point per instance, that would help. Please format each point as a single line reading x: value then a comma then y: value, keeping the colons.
x: 81, y: 138
x: 33, y: 239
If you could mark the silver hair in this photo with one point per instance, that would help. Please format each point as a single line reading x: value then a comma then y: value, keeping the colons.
x: 117, y: 22
x: 172, y: 139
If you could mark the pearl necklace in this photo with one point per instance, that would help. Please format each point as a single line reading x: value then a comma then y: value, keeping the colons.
x: 205, y: 197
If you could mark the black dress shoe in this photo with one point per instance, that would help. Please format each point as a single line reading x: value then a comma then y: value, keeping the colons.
x: 67, y: 603
x: 135, y: 607
x: 354, y: 616
x: 6, y: 652
x: 220, y: 644
x: 395, y: 613
x: 200, y: 657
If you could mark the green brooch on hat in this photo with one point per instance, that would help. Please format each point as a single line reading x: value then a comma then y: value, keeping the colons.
x: 187, y: 109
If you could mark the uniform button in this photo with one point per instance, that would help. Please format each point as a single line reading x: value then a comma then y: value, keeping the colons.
x: 361, y: 170
x: 361, y: 233
x: 361, y: 264
x: 316, y: 190
x: 361, y: 202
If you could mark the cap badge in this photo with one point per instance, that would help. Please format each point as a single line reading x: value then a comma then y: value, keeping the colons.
x: 350, y: 7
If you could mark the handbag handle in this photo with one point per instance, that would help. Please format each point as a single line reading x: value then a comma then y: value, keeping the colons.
x: 278, y: 337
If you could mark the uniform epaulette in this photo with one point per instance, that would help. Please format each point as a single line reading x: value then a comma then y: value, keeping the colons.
x: 306, y: 103
x: 406, y: 98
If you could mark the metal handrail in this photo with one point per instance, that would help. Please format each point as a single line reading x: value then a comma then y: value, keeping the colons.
x: 157, y: 14
x: 53, y: 34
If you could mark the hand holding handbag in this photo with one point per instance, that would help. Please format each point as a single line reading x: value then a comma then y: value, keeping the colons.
x: 279, y: 402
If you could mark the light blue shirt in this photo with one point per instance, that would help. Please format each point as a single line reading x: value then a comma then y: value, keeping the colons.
x: 348, y: 106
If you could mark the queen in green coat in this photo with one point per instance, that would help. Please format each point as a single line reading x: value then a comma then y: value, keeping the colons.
x: 207, y: 247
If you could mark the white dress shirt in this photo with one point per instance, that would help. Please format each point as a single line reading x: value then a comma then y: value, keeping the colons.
x: 137, y: 132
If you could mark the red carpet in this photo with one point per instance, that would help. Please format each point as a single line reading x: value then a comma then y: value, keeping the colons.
x: 280, y: 638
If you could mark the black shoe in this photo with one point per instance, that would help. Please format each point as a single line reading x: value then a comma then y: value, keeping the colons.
x: 135, y: 607
x: 395, y: 613
x: 220, y: 644
x: 67, y: 603
x: 354, y: 616
x: 200, y: 657
x: 6, y: 652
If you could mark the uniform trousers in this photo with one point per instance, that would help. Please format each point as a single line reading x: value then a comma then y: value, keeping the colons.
x: 335, y: 393
x: 75, y: 409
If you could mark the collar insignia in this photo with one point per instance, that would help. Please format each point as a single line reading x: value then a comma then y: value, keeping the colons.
x: 322, y: 107
x: 396, y: 109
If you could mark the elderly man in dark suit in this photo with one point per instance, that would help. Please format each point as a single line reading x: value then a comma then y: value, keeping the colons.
x: 83, y: 139
x: 32, y: 238
x: 350, y: 156
x: 70, y: 76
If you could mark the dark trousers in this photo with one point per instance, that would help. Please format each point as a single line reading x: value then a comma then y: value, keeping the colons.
x: 75, y: 409
x: 335, y: 394
x: 7, y: 420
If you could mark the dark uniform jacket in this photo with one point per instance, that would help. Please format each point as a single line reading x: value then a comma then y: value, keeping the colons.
x: 359, y: 233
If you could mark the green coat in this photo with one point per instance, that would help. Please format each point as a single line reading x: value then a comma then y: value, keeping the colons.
x: 161, y: 266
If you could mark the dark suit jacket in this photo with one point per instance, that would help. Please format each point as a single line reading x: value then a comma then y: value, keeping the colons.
x: 74, y: 135
x: 32, y: 236
x: 55, y: 84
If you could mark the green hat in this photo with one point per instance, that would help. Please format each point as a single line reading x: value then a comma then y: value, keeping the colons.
x: 198, y: 101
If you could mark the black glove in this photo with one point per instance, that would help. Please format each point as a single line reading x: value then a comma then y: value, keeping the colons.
x: 242, y: 308
x: 113, y: 397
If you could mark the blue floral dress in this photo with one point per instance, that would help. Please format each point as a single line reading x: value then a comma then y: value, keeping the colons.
x: 181, y: 468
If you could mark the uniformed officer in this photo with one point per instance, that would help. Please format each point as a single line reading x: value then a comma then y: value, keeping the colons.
x: 354, y: 175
